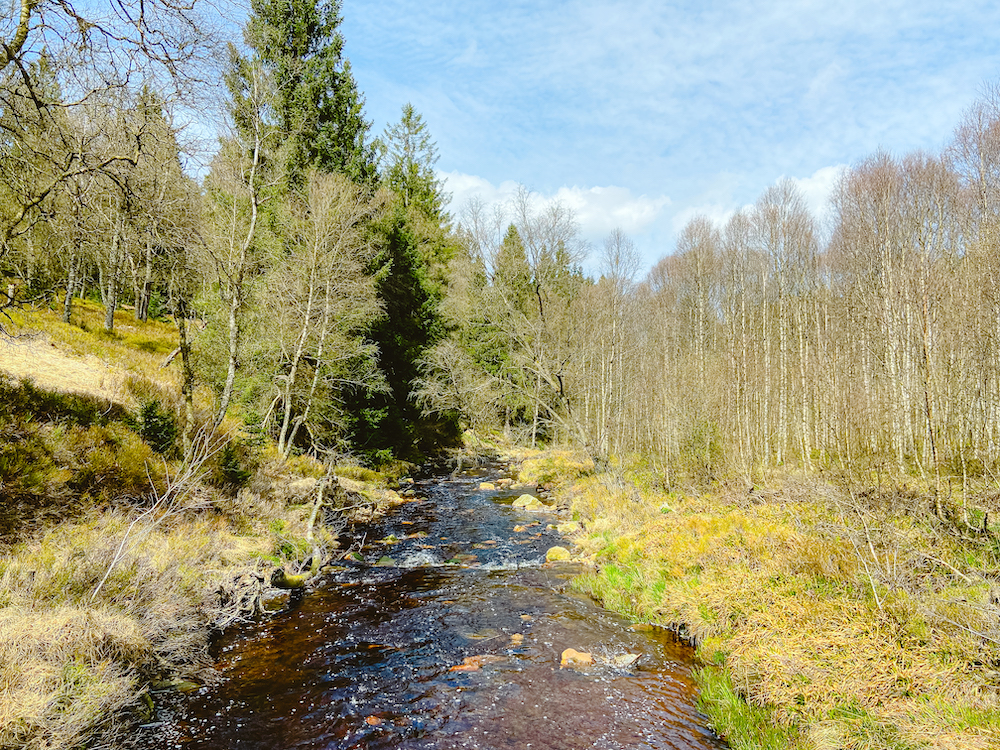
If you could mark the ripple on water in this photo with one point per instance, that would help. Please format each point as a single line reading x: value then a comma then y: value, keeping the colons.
x: 365, y: 660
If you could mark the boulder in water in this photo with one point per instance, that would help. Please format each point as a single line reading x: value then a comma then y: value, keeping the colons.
x: 529, y: 502
x: 557, y: 554
x: 282, y: 580
x: 573, y: 658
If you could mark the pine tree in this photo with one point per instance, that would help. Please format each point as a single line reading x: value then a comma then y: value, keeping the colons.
x: 410, y: 159
x: 317, y: 104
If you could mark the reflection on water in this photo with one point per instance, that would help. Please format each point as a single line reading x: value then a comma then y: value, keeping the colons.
x: 366, y: 660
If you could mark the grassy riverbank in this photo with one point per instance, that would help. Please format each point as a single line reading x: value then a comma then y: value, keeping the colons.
x: 827, y: 614
x: 119, y: 559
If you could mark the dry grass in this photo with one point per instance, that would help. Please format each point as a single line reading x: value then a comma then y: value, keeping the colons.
x: 91, y: 358
x: 857, y: 629
x: 123, y: 567
x: 71, y: 660
x: 64, y: 668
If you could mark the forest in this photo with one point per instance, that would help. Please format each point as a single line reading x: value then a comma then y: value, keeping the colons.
x: 319, y: 284
x: 319, y: 303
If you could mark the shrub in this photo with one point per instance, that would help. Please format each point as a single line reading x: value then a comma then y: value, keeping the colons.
x: 158, y: 427
x: 233, y: 468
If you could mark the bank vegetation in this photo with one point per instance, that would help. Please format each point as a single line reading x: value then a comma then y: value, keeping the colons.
x: 789, y: 429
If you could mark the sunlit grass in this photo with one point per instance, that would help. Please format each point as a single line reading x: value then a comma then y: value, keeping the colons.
x: 834, y: 624
x: 100, y: 597
x: 85, y: 333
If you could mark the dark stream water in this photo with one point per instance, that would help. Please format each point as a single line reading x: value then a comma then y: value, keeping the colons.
x: 364, y: 660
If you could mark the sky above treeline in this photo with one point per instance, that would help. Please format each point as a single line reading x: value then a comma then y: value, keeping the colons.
x: 641, y: 114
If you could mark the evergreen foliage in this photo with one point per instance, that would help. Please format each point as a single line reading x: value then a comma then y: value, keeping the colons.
x: 157, y: 427
x: 410, y: 156
x: 317, y: 104
x: 411, y: 324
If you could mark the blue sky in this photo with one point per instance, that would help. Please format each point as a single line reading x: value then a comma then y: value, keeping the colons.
x: 640, y: 114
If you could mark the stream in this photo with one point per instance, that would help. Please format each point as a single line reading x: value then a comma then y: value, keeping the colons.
x: 367, y: 657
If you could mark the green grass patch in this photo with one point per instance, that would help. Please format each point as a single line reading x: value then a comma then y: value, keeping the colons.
x: 742, y: 725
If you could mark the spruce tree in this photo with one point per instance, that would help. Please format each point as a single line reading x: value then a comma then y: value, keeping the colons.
x: 417, y: 246
x: 410, y: 158
x: 317, y: 103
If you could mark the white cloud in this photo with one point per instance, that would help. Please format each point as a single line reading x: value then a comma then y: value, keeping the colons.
x: 598, y: 210
x: 602, y: 209
x: 717, y: 213
x: 817, y: 189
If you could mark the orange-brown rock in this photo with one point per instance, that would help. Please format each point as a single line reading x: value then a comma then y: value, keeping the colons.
x: 573, y: 658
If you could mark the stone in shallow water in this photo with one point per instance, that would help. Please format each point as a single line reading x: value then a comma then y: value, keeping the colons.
x: 623, y: 661
x: 475, y: 663
x: 556, y: 554
x: 482, y: 635
x: 528, y: 502
x: 573, y: 658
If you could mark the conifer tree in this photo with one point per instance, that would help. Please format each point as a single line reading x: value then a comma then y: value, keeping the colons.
x: 416, y: 248
x: 317, y: 103
x: 410, y: 158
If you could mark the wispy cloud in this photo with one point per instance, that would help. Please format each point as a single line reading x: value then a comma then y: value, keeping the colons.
x: 707, y: 102
x: 597, y: 210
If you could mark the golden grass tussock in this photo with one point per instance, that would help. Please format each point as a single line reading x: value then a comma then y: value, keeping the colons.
x: 855, y: 630
x: 551, y: 467
x: 96, y: 607
x: 64, y: 670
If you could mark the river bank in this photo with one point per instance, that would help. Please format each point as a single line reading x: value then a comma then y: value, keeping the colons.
x: 823, y: 617
x: 118, y: 559
x: 101, y: 609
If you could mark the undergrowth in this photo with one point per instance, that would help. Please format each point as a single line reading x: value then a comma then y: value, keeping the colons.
x: 825, y: 617
x: 118, y: 558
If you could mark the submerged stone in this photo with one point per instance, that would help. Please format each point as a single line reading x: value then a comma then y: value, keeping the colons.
x: 623, y: 661
x: 557, y: 554
x: 573, y: 658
